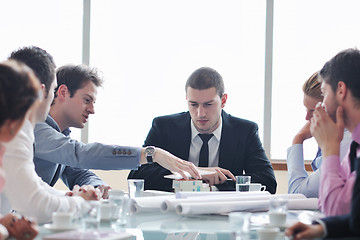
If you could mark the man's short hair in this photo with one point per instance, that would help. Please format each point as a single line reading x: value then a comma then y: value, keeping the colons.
x: 40, y: 61
x: 345, y: 67
x: 76, y: 77
x: 205, y: 78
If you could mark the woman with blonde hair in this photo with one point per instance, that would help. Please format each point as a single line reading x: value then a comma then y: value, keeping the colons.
x: 298, y: 179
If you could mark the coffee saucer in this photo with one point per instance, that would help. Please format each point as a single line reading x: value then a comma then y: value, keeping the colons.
x: 51, y: 227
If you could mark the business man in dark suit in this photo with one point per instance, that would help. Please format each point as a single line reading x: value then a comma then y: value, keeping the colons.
x: 233, y: 146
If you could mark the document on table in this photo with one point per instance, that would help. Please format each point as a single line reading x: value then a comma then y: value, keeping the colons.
x: 89, y: 235
x: 187, y: 208
x: 178, y: 176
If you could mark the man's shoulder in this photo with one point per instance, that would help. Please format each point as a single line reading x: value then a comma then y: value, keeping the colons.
x: 173, y: 117
x: 49, y: 123
x: 233, y: 121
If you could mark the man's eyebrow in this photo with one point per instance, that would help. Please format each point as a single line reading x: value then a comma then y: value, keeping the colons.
x: 211, y: 101
x: 92, y: 99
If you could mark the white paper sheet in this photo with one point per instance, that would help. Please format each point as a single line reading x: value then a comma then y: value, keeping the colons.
x: 153, y: 203
x: 211, y: 194
x: 249, y: 206
x: 171, y: 204
x: 148, y: 204
x: 178, y: 176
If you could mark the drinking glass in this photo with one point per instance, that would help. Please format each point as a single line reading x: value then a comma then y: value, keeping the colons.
x: 119, y: 202
x: 240, y: 223
x: 136, y: 187
x: 243, y: 183
x: 90, y: 215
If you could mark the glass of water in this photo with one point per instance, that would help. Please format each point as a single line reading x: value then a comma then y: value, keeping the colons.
x: 119, y: 202
x: 240, y: 224
x: 90, y: 215
x: 243, y: 183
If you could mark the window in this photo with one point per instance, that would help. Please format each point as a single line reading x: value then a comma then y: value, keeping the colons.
x: 306, y: 35
x: 148, y: 49
x: 57, y: 28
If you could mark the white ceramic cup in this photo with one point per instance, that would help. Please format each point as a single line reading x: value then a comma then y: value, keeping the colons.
x: 277, y: 212
x: 277, y: 219
x: 257, y: 187
x: 269, y: 233
x: 62, y: 219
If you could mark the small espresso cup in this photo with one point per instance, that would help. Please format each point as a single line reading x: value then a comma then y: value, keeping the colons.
x: 277, y: 211
x: 257, y: 187
x: 62, y: 219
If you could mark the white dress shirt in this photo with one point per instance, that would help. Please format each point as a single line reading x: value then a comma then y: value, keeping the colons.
x: 196, y: 144
x: 24, y: 191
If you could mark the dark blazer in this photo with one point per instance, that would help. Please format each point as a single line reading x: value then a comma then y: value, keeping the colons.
x: 240, y: 150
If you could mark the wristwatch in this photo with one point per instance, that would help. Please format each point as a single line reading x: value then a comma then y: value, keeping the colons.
x: 149, y: 153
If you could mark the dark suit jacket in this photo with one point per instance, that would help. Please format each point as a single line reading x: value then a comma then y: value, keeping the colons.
x: 240, y: 150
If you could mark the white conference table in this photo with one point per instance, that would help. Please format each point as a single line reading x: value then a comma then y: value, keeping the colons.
x: 169, y: 226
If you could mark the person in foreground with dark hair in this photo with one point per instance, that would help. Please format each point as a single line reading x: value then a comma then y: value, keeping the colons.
x: 19, y: 92
x: 233, y: 145
x: 340, y: 183
x: 24, y: 192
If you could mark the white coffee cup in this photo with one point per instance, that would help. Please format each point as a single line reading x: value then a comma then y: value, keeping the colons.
x: 62, y: 219
x: 257, y: 187
x: 268, y: 233
x: 277, y: 219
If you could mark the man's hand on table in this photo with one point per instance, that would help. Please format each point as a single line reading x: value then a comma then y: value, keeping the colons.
x: 87, y: 192
x: 104, y: 191
x: 174, y: 164
x: 303, y: 231
x: 19, y: 228
x: 220, y: 175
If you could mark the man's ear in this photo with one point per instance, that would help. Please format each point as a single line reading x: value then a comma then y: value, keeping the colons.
x: 62, y: 91
x: 223, y: 100
x: 341, y: 90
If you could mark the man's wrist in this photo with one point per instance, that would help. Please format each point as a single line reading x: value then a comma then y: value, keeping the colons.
x: 4, y: 233
x: 330, y: 149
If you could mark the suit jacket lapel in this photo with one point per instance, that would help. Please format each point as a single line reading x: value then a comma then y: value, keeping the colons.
x: 183, y: 136
x: 227, y: 144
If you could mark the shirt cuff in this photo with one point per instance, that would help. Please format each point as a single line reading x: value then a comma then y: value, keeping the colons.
x: 4, y: 234
x: 321, y: 222
x: 138, y: 150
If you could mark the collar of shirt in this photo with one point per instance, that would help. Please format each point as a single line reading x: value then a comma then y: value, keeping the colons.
x: 53, y: 124
x: 356, y: 134
x: 195, y: 132
x: 196, y: 144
